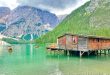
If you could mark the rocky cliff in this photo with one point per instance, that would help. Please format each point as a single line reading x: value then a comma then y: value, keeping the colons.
x: 29, y: 22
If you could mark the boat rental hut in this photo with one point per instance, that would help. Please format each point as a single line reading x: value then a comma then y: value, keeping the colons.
x: 82, y: 44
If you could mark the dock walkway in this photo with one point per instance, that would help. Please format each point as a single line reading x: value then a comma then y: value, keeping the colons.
x: 80, y: 53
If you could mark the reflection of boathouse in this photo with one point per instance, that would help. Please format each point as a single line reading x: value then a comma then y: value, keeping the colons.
x: 83, y: 44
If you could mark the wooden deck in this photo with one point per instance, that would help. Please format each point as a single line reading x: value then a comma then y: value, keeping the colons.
x: 81, y: 53
x: 54, y: 48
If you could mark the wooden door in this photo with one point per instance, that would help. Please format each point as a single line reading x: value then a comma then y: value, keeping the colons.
x: 82, y: 44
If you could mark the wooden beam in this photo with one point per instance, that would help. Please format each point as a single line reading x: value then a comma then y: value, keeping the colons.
x: 100, y: 52
x: 108, y: 51
x: 89, y: 52
x: 68, y: 53
x: 104, y: 52
x: 81, y: 53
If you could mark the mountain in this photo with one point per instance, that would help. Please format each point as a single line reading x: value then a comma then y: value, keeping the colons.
x: 4, y: 12
x: 2, y: 27
x: 93, y: 18
x: 61, y: 17
x: 28, y: 22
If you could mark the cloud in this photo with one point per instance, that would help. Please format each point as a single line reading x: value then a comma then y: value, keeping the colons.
x: 9, y: 3
x: 59, y: 7
x: 70, y: 8
x: 59, y: 4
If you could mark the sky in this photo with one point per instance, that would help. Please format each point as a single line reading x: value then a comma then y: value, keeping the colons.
x: 58, y: 7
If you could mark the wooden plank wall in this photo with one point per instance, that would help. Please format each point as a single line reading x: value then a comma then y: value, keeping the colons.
x: 92, y: 44
x: 71, y: 42
x: 68, y: 42
x: 62, y: 42
x: 82, y: 44
x: 104, y: 44
x: 98, y: 44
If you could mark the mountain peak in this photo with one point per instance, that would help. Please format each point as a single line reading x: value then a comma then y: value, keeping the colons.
x: 27, y: 20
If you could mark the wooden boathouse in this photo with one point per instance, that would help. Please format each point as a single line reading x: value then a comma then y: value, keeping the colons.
x: 82, y: 44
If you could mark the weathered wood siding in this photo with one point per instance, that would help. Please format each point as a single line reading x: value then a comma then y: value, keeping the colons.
x: 74, y: 42
x: 98, y: 44
x: 105, y: 44
x: 71, y: 42
x: 92, y: 44
x: 62, y: 42
x: 82, y: 44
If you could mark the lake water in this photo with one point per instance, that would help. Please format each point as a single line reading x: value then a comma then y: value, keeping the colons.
x: 28, y: 60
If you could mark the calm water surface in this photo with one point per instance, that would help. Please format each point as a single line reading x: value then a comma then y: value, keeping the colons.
x: 28, y: 60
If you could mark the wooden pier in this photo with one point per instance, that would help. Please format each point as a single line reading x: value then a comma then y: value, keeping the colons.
x: 81, y: 53
x: 82, y: 45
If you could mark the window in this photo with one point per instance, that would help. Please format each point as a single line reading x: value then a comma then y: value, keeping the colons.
x: 75, y: 39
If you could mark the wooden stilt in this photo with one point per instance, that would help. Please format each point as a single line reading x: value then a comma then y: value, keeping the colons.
x: 88, y: 53
x: 104, y: 52
x: 97, y: 52
x: 80, y: 54
x: 100, y: 52
x: 108, y: 51
x: 68, y: 52
x: 65, y: 52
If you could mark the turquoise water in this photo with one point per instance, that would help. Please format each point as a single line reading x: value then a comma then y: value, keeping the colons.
x: 28, y: 60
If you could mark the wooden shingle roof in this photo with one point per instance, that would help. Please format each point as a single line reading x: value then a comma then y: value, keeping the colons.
x: 86, y: 36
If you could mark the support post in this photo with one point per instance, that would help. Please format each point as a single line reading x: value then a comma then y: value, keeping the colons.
x: 104, y: 52
x: 108, y: 51
x: 88, y: 53
x: 65, y: 52
x: 100, y: 52
x: 68, y: 52
x: 80, y: 54
x: 97, y: 52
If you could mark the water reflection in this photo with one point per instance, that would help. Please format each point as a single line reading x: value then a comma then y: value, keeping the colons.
x: 28, y: 60
x: 10, y: 49
x: 31, y: 50
x: 3, y: 42
x: 1, y: 50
